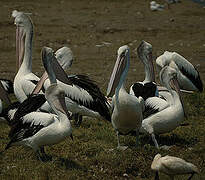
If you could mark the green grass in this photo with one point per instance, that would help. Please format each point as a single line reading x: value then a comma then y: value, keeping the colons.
x: 93, y: 154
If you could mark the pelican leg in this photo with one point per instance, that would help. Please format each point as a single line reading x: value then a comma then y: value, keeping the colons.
x: 118, y: 143
x: 38, y: 155
x: 156, y: 176
x: 192, y: 174
x: 44, y: 155
x: 78, y: 119
x: 155, y: 141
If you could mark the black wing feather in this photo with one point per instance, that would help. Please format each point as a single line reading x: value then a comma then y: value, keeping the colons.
x: 22, y: 130
x: 100, y: 103
x: 145, y: 91
x: 195, y: 80
x: 9, y: 89
x: 31, y: 104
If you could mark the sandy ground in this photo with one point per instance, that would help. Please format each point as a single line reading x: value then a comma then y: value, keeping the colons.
x: 82, y: 25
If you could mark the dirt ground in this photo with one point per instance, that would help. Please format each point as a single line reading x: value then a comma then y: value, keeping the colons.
x: 83, y: 24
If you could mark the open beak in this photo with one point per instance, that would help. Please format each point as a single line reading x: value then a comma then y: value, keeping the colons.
x: 4, y: 95
x: 116, y: 74
x: 20, y: 46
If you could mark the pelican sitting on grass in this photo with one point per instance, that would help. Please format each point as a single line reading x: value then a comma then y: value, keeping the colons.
x: 172, y: 166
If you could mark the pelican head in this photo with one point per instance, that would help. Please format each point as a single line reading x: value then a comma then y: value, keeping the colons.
x: 54, y: 93
x: 168, y: 78
x: 144, y: 51
x: 64, y: 56
x: 57, y: 72
x: 23, y: 25
x: 120, y: 70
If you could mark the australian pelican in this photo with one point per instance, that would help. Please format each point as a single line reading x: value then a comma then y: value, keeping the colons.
x: 38, y: 129
x: 83, y: 96
x: 172, y: 166
x: 168, y: 119
x: 188, y: 76
x: 127, y: 109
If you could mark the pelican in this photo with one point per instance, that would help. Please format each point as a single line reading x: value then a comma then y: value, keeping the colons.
x: 188, y: 76
x: 25, y: 80
x: 148, y: 89
x: 127, y: 109
x: 172, y: 166
x: 38, y: 129
x: 169, y: 118
x: 83, y: 96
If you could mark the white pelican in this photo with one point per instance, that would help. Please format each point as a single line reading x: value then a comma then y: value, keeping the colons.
x: 148, y: 87
x: 25, y: 80
x: 83, y: 96
x: 171, y: 117
x: 172, y: 166
x: 127, y: 109
x: 38, y: 129
x: 188, y: 76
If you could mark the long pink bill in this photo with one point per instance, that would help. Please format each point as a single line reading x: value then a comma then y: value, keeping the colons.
x: 40, y: 83
x: 20, y: 46
x: 116, y: 74
x: 59, y: 72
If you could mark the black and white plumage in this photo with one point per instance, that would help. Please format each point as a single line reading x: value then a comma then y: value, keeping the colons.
x: 172, y: 166
x: 169, y: 118
x: 83, y: 96
x: 16, y: 111
x: 8, y: 85
x: 148, y: 87
x: 38, y: 129
x: 188, y: 76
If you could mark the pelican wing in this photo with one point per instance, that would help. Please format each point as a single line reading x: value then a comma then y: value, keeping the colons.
x: 86, y: 93
x: 8, y: 85
x: 145, y: 91
x: 29, y: 125
x: 31, y: 104
x: 154, y: 105
x: 176, y: 165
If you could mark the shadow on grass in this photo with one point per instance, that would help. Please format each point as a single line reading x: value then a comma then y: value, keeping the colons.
x: 69, y: 164
x: 168, y: 140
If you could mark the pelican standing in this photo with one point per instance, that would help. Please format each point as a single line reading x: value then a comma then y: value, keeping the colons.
x: 172, y: 166
x: 171, y: 117
x: 25, y: 80
x: 147, y: 89
x: 83, y: 96
x: 188, y: 76
x: 127, y: 109
x: 38, y: 129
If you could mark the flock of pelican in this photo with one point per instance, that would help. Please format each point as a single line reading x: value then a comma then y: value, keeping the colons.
x: 42, y: 116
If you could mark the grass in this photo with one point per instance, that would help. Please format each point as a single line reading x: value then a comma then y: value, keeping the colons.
x: 93, y: 154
